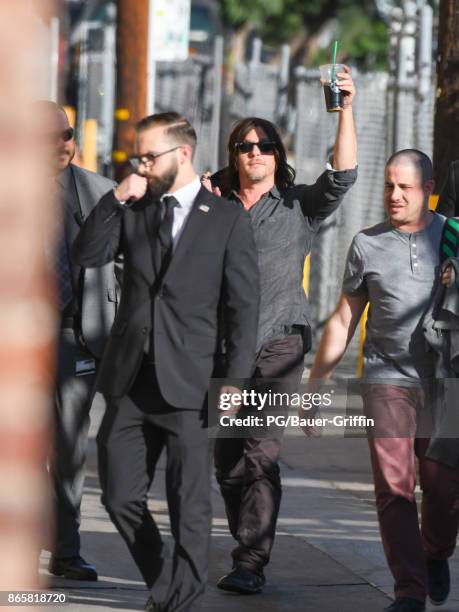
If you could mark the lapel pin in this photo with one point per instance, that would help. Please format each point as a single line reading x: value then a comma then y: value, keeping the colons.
x: 204, y: 208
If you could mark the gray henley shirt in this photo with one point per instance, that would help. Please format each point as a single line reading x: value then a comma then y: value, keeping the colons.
x: 396, y: 271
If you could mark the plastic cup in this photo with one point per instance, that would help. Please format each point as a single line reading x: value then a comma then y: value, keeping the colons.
x: 333, y: 95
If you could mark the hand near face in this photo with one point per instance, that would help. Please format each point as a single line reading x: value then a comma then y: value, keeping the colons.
x: 132, y: 188
x: 206, y: 182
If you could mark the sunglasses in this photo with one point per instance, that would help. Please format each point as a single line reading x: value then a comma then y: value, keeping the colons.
x: 265, y: 146
x: 55, y: 137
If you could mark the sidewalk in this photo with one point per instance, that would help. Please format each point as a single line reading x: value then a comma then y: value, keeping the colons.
x: 327, y: 556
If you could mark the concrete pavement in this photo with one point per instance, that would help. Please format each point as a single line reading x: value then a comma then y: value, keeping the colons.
x: 327, y: 556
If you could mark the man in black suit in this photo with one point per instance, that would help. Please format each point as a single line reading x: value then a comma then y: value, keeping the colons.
x: 187, y: 256
x: 87, y: 304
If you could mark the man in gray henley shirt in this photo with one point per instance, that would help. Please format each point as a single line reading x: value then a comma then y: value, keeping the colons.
x: 393, y: 267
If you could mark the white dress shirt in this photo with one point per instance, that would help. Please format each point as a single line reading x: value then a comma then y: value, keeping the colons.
x: 185, y: 196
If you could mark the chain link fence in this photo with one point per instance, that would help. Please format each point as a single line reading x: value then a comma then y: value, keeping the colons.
x: 191, y: 88
x: 260, y: 90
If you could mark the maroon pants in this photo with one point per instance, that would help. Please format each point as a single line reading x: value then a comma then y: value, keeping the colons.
x: 394, y: 474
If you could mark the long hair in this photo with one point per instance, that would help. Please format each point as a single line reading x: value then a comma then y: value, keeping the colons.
x: 284, y: 175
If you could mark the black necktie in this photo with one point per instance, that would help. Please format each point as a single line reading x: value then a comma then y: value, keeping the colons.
x: 162, y: 254
x: 163, y: 251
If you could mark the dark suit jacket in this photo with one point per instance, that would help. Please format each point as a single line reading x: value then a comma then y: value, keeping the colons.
x: 448, y: 203
x: 214, y: 266
x: 98, y: 290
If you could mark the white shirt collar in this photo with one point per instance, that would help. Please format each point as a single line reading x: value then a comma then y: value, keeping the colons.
x: 186, y: 195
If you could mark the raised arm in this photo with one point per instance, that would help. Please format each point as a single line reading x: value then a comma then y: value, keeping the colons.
x: 345, y: 149
x: 99, y: 239
x: 321, y: 199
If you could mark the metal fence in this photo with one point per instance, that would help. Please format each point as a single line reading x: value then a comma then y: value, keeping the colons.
x: 193, y: 88
x: 96, y: 86
x: 261, y: 90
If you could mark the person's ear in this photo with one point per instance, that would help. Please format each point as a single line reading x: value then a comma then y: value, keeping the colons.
x: 429, y: 186
x: 186, y: 152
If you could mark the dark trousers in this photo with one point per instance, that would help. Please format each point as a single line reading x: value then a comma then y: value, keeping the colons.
x: 394, y: 474
x: 72, y: 401
x: 133, y: 433
x: 247, y: 468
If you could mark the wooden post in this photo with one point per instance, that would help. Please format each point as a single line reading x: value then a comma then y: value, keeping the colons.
x: 27, y: 315
x: 131, y: 88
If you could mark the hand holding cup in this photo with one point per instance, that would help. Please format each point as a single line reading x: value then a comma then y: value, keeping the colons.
x: 339, y: 88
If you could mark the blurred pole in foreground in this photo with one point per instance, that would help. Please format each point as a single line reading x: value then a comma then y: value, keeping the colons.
x: 27, y: 317
x: 131, y: 78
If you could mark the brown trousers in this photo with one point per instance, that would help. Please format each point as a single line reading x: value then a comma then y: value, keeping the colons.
x: 247, y: 468
x: 394, y: 473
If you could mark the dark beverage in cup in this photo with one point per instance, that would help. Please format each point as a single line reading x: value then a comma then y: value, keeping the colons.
x: 333, y: 95
x: 333, y: 98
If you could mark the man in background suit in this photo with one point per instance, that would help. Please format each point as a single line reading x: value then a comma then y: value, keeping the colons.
x: 87, y: 301
x: 188, y: 256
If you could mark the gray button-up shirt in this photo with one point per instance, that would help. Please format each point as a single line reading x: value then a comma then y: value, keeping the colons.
x: 284, y: 223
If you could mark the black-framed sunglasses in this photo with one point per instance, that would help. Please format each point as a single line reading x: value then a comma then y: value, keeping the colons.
x: 246, y: 146
x: 55, y: 137
x: 148, y: 158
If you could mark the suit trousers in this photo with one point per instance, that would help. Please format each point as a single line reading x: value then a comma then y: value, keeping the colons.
x: 247, y: 469
x: 72, y: 401
x: 394, y: 474
x: 134, y: 431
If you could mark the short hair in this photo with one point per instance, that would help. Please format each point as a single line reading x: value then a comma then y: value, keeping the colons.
x: 417, y: 158
x: 284, y: 175
x: 178, y: 129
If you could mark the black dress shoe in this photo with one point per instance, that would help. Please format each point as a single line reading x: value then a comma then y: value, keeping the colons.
x: 439, y: 581
x: 242, y: 580
x: 72, y: 568
x: 406, y: 604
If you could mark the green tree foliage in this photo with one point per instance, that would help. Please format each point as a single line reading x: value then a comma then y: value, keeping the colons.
x: 238, y: 12
x: 362, y: 32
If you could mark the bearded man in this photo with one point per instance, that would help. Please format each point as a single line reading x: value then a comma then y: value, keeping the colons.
x: 188, y: 255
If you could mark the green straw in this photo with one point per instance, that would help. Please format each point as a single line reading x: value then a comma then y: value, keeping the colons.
x: 335, y: 49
